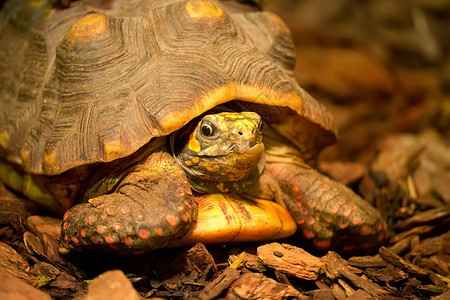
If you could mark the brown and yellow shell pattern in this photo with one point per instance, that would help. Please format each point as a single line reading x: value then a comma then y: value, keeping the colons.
x: 86, y: 87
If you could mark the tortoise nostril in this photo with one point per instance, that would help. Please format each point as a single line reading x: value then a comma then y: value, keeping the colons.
x: 240, y: 132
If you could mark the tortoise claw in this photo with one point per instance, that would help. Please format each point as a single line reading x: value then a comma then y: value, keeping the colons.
x: 327, y: 212
x: 149, y: 208
x: 120, y: 223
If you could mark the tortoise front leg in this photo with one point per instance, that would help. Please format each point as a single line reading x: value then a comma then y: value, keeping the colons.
x: 151, y: 206
x: 327, y: 212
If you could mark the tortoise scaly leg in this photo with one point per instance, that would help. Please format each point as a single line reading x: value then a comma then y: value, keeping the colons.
x: 327, y: 212
x: 151, y: 206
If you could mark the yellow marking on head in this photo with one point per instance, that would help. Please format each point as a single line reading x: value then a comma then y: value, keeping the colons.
x: 188, y: 163
x: 204, y: 9
x: 212, y: 167
x: 244, y: 123
x: 196, y: 160
x: 89, y: 26
x: 210, y: 150
x: 223, y: 126
x: 194, y: 145
x: 209, y: 165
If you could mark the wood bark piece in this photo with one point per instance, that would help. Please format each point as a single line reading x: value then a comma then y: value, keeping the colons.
x: 198, y: 258
x: 372, y: 288
x: 336, y: 267
x: 112, y: 285
x: 12, y: 288
x: 338, y: 292
x: 40, y: 224
x: 444, y: 296
x: 360, y: 295
x: 367, y: 261
x: 333, y: 262
x: 322, y: 294
x: 219, y: 284
x: 258, y: 286
x: 253, y: 262
x: 401, y: 246
x: 347, y: 288
x: 435, y: 245
x: 14, y: 264
x: 290, y: 260
x: 415, y: 231
x: 387, y: 274
x: 397, y: 261
x: 424, y: 218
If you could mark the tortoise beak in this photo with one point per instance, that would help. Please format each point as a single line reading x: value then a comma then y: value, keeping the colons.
x: 251, y: 155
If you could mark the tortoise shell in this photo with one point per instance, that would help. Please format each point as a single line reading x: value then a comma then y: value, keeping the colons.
x: 84, y: 85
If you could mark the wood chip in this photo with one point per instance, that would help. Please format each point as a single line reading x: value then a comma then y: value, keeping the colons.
x: 429, y: 290
x: 387, y: 274
x: 347, y: 288
x: 14, y: 264
x: 368, y: 286
x: 338, y: 292
x: 219, y: 284
x: 424, y: 218
x: 322, y: 294
x: 360, y: 295
x: 400, y: 247
x: 435, y: 245
x: 367, y: 261
x: 292, y: 261
x: 112, y: 285
x: 253, y: 262
x: 258, y: 286
x: 443, y: 296
x: 40, y: 224
x: 397, y: 261
x: 333, y: 262
x: 12, y: 288
x: 421, y: 230
x: 336, y: 266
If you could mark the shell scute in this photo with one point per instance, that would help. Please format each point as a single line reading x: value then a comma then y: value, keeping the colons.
x: 107, y: 81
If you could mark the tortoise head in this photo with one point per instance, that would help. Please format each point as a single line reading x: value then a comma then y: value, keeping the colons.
x: 223, y: 147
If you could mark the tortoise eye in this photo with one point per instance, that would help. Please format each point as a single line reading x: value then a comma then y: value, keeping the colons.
x: 208, y: 129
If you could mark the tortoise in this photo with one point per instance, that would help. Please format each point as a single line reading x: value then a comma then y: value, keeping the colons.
x: 142, y: 122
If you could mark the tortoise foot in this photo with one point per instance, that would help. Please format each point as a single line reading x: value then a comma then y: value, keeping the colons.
x: 135, y: 220
x: 327, y: 212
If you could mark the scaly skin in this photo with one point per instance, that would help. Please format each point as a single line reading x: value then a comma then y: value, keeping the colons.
x: 327, y: 212
x: 151, y: 206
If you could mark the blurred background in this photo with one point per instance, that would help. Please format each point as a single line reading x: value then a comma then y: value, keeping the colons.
x: 381, y: 66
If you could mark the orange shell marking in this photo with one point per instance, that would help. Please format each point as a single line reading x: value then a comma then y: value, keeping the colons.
x: 203, y: 9
x: 91, y: 25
